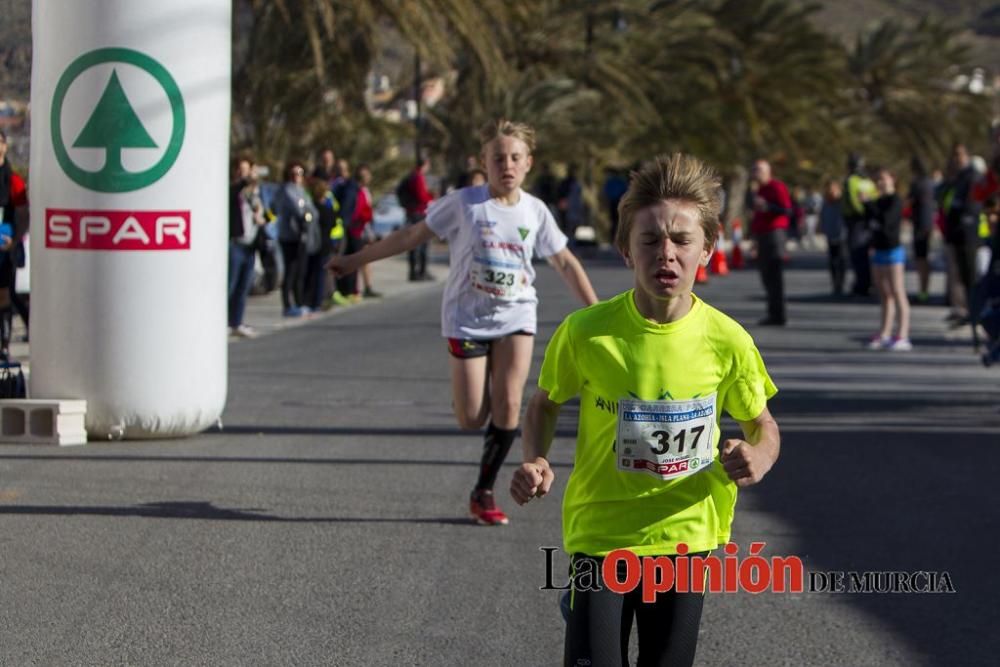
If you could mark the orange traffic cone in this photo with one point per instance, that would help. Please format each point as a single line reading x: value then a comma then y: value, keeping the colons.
x: 736, y: 257
x: 736, y: 254
x: 718, y: 261
x: 702, y: 275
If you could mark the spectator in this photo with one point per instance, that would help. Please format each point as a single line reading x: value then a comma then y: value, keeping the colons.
x: 795, y: 215
x: 771, y: 206
x: 954, y: 295
x: 477, y: 177
x: 987, y: 191
x: 415, y: 198
x: 615, y: 187
x: 471, y: 167
x: 922, y: 207
x: 331, y: 233
x: 831, y: 221
x: 857, y: 187
x: 246, y: 216
x: 961, y: 227
x: 298, y: 234
x: 569, y: 196
x: 991, y: 213
x: 359, y: 233
x: 811, y: 206
x: 13, y: 214
x: 546, y: 187
x: 325, y: 165
x: 341, y: 172
x: 345, y: 191
x: 885, y: 216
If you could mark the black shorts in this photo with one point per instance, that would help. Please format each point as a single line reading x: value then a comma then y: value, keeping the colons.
x: 470, y: 348
x: 921, y: 246
x: 600, y: 621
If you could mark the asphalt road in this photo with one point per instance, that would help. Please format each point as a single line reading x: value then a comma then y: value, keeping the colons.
x: 326, y: 524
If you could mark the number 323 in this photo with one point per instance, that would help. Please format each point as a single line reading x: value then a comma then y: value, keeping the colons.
x: 499, y: 278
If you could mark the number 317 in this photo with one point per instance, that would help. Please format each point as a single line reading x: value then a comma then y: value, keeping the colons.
x: 663, y: 439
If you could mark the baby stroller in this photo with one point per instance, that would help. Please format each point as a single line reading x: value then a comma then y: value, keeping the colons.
x: 985, y: 310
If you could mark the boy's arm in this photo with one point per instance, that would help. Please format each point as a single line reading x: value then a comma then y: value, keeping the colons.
x: 407, y: 238
x: 747, y: 461
x: 571, y: 271
x: 534, y: 478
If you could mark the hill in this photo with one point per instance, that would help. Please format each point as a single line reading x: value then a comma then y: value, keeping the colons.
x: 981, y: 18
x: 15, y: 49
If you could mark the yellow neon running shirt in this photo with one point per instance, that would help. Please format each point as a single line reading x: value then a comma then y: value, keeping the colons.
x: 609, y: 352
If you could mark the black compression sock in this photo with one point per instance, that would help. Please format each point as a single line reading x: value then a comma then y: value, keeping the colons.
x: 495, y: 447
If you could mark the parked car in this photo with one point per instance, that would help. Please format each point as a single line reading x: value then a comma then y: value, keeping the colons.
x: 388, y: 215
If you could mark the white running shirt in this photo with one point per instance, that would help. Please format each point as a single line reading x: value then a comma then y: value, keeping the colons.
x: 490, y: 291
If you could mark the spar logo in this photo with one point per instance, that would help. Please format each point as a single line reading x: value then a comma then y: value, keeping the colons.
x: 117, y: 126
x: 114, y: 150
x: 117, y: 230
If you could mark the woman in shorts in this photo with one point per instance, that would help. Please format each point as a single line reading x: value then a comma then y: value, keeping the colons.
x: 885, y: 215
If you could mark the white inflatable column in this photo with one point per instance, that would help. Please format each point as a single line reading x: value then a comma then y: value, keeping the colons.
x: 129, y: 211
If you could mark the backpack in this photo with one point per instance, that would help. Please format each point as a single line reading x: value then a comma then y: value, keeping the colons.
x: 12, y: 384
x: 404, y: 193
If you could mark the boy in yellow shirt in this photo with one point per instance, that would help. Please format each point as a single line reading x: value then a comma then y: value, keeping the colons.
x: 652, y: 367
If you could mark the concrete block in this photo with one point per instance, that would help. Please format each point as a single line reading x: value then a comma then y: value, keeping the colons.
x: 39, y: 421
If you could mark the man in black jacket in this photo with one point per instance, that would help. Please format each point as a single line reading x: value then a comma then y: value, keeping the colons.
x: 962, y: 218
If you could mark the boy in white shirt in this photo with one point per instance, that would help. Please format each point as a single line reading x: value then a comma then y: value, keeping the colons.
x: 488, y: 313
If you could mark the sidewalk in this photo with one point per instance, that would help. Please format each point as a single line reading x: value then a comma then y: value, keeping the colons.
x: 263, y: 312
x: 389, y: 276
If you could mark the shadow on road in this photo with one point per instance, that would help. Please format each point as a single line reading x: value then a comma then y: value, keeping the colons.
x: 860, y: 499
x: 844, y: 407
x: 117, y: 458
x: 454, y: 432
x: 284, y: 374
x: 831, y: 298
x: 208, y: 512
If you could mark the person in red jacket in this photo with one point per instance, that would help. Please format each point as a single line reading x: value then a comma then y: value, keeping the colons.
x: 416, y: 211
x: 359, y: 232
x: 13, y: 212
x: 771, y: 206
x: 355, y: 207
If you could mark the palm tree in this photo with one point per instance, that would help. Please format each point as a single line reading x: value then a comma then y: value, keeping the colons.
x: 301, y: 66
x: 905, y: 94
x: 739, y: 79
x: 570, y: 78
x: 745, y: 74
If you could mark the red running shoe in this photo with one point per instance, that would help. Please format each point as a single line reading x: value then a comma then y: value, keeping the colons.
x: 483, y: 508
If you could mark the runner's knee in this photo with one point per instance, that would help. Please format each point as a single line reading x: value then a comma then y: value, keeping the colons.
x: 470, y: 420
x: 506, y: 411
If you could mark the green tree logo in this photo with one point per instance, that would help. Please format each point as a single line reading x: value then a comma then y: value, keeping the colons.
x: 114, y: 125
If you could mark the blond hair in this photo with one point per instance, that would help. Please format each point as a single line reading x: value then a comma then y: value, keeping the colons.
x: 680, y: 177
x: 507, y: 128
